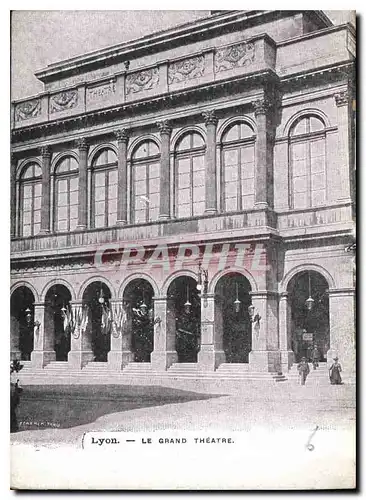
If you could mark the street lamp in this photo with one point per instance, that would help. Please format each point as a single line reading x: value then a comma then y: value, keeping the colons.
x: 28, y: 316
x: 237, y: 301
x: 187, y: 305
x: 309, y: 301
x: 101, y: 297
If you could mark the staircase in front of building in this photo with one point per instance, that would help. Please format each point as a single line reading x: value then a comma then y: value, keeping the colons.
x: 59, y: 372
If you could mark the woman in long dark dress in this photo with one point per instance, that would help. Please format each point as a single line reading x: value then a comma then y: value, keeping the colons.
x: 335, y: 373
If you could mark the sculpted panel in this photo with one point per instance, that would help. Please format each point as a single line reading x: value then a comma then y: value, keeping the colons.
x: 187, y: 69
x: 63, y: 100
x: 241, y: 54
x: 27, y: 110
x: 142, y: 80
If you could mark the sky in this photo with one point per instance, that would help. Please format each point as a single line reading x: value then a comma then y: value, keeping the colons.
x: 40, y: 37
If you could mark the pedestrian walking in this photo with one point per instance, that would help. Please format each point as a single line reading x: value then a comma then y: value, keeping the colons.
x: 315, y: 357
x: 303, y: 369
x: 335, y: 372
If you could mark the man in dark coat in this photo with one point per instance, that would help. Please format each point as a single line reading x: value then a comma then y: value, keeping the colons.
x: 315, y: 357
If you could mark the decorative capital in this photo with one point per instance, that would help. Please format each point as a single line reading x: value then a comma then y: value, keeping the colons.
x: 164, y: 127
x: 45, y: 151
x: 210, y: 117
x: 82, y: 144
x: 342, y: 98
x: 122, y: 134
x: 261, y: 106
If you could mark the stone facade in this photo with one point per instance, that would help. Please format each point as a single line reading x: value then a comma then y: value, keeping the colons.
x: 281, y: 102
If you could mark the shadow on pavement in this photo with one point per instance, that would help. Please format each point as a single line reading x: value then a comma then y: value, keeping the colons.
x: 53, y: 406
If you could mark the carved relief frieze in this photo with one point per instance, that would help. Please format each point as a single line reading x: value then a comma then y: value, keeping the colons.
x: 101, y: 92
x: 63, y: 101
x: 28, y: 109
x: 193, y: 67
x: 238, y: 55
x: 142, y: 80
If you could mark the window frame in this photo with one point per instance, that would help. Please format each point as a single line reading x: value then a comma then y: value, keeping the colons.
x: 191, y: 153
x: 146, y: 161
x: 68, y: 176
x: 307, y: 139
x: 236, y: 145
x: 106, y: 169
x: 32, y: 182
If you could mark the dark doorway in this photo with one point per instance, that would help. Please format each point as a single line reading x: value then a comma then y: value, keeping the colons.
x: 57, y: 298
x: 22, y: 317
x: 96, y: 297
x: 237, y: 328
x: 309, y: 326
x: 184, y: 299
x: 139, y: 296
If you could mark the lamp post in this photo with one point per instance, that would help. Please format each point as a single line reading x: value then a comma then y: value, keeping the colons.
x: 237, y: 302
x: 309, y: 301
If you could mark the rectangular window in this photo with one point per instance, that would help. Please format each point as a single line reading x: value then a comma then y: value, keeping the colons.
x: 238, y: 178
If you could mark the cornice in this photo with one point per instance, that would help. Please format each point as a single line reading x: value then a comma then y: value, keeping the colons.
x: 129, y: 110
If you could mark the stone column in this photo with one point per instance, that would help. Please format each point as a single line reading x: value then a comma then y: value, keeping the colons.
x: 211, y: 354
x: 164, y: 353
x: 120, y: 354
x: 265, y: 354
x: 122, y: 140
x: 165, y: 131
x: 342, y: 329
x: 344, y: 167
x: 46, y: 190
x: 43, y: 352
x: 210, y: 162
x: 264, y: 155
x: 284, y: 316
x: 83, y: 183
x: 81, y: 349
x: 13, y: 196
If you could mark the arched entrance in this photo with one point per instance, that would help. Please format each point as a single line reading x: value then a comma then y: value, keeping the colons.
x: 138, y: 296
x: 233, y: 291
x: 22, y: 316
x: 185, y: 303
x: 309, y: 324
x: 57, y: 298
x: 96, y: 297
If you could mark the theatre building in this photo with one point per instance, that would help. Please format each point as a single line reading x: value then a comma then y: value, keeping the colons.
x: 184, y: 202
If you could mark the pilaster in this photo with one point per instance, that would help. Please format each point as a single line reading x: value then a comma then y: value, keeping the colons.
x: 83, y: 182
x: 122, y: 136
x: 211, y: 354
x: 165, y: 131
x: 284, y: 315
x: 81, y: 350
x: 210, y: 162
x: 164, y: 353
x: 342, y: 328
x: 120, y: 354
x: 13, y: 194
x: 43, y: 352
x: 264, y: 154
x: 265, y: 353
x: 46, y: 190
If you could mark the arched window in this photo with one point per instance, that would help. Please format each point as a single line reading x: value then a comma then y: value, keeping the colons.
x: 238, y: 168
x: 145, y: 182
x: 104, y: 189
x: 66, y: 194
x: 307, y: 163
x: 30, y: 200
x: 190, y: 175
